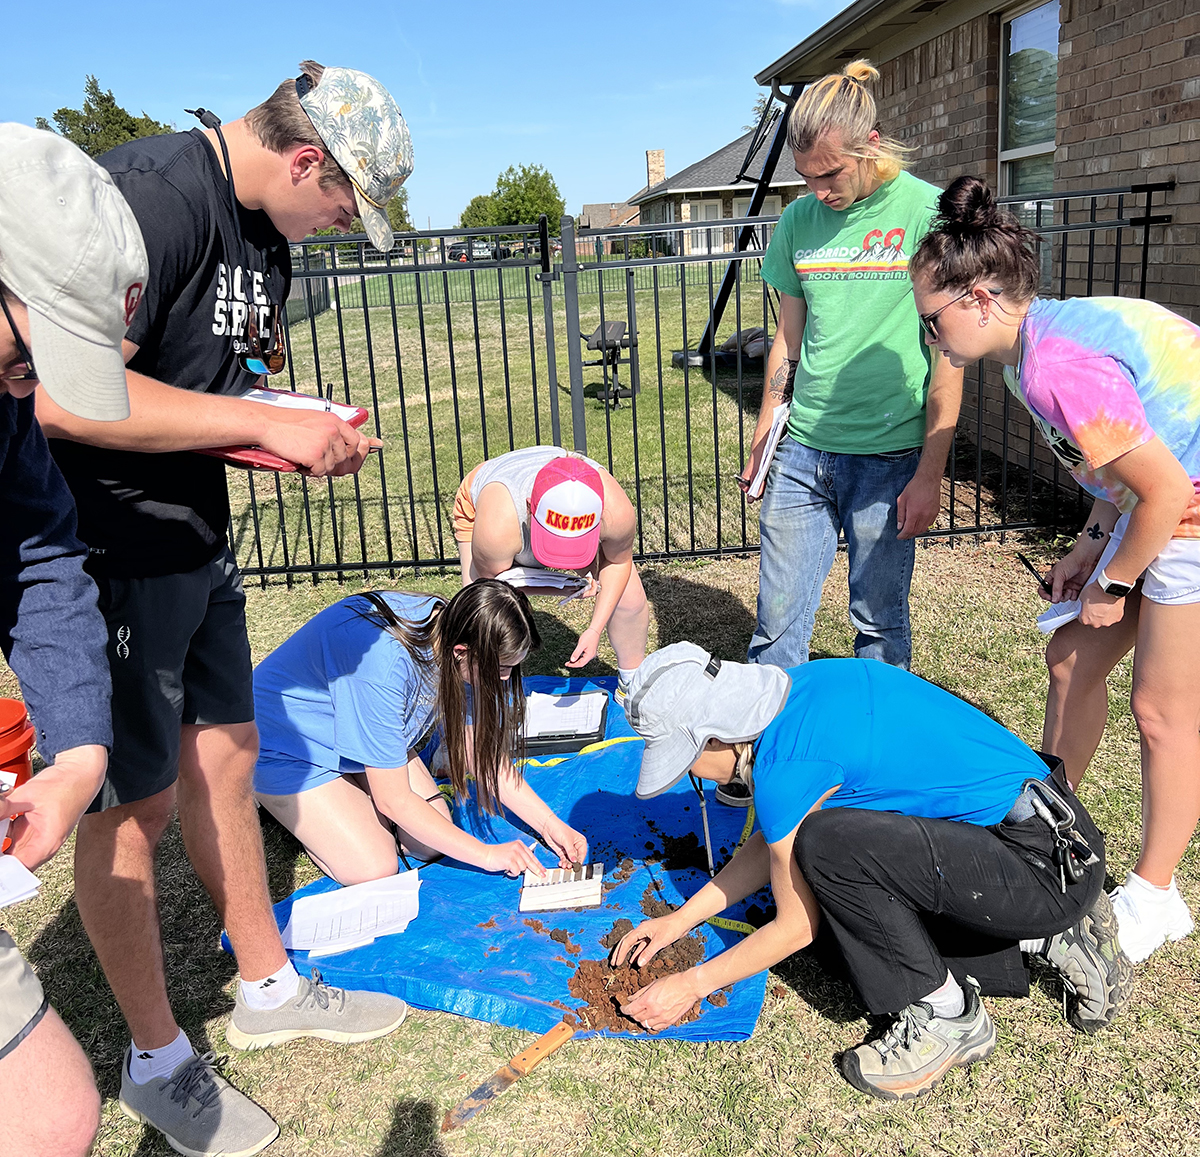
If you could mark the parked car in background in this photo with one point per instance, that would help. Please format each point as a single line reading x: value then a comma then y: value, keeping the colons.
x: 478, y: 249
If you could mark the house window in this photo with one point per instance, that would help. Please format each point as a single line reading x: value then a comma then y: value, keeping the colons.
x: 1029, y: 83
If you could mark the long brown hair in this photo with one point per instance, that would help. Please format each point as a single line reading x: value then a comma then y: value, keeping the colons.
x: 974, y: 239
x: 493, y: 622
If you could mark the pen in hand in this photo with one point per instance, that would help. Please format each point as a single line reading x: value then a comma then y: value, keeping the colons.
x: 1046, y: 586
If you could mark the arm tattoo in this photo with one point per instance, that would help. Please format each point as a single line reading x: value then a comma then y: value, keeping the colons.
x: 1094, y: 531
x: 783, y: 381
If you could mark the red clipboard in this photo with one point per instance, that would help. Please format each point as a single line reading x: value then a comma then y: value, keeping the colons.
x: 255, y: 458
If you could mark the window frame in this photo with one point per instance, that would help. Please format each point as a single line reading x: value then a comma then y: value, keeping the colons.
x: 1004, y: 157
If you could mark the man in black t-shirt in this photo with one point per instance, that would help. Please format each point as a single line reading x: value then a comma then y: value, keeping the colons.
x: 216, y: 209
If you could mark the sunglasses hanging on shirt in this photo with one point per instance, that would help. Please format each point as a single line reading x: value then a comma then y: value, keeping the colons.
x: 256, y: 356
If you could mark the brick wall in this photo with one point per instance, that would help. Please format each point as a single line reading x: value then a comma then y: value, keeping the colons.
x: 1129, y: 112
x: 942, y: 99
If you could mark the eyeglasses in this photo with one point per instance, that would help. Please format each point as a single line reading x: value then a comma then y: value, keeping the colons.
x: 256, y: 359
x: 30, y: 374
x: 929, y: 320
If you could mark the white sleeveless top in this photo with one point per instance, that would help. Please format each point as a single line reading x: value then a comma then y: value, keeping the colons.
x: 517, y: 470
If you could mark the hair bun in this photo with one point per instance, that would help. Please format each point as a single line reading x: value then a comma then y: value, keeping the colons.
x: 968, y: 206
x: 861, y: 70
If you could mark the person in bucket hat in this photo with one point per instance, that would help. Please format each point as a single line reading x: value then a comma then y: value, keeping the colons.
x: 882, y: 800
x: 546, y: 507
x: 216, y: 207
x: 72, y: 266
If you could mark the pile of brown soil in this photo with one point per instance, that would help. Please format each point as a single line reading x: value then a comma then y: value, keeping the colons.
x: 487, y: 923
x: 605, y: 988
x: 653, y: 905
x: 621, y: 928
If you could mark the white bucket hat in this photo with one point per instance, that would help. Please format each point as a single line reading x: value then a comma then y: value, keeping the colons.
x: 362, y: 126
x: 681, y: 697
x: 71, y: 250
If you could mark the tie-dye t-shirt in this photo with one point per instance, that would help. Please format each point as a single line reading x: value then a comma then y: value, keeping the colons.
x: 1102, y: 376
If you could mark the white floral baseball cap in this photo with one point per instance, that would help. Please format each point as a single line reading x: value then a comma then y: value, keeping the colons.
x: 362, y: 126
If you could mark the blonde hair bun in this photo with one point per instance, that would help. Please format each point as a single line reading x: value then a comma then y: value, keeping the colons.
x: 861, y: 70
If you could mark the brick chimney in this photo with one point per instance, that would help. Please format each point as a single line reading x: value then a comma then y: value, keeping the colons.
x: 656, y: 167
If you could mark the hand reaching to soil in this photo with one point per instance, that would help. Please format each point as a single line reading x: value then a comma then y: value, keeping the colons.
x: 661, y: 1004
x: 648, y: 939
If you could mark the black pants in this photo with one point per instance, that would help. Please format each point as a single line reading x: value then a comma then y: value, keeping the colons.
x: 907, y: 899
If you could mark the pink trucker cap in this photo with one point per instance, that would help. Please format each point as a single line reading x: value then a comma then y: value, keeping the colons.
x: 567, y: 501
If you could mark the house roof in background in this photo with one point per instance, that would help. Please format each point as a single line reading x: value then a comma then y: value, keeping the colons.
x: 606, y: 214
x: 857, y: 31
x: 718, y: 170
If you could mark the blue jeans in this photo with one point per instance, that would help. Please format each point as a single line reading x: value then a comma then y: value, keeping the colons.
x: 811, y: 495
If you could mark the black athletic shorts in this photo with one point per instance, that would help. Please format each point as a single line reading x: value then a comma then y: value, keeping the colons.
x: 178, y: 652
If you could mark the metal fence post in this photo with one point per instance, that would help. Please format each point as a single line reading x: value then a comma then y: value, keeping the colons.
x: 574, y: 354
x: 547, y: 277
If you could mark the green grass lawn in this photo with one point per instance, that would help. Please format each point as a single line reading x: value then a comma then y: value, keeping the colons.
x: 1047, y: 1091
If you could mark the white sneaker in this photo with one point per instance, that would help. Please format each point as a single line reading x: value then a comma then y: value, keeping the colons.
x: 1147, y: 925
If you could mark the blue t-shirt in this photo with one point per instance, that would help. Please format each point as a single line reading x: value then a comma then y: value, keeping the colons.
x: 892, y: 741
x: 343, y: 693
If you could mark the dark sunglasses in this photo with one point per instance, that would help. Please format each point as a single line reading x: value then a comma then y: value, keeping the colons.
x: 255, y: 358
x: 929, y: 320
x: 30, y: 374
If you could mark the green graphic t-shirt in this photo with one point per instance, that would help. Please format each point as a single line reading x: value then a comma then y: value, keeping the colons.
x: 864, y: 369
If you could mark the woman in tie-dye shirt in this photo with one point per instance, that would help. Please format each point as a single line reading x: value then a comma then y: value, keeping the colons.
x: 1114, y: 385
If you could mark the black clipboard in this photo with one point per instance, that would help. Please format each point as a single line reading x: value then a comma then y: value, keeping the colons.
x: 560, y: 744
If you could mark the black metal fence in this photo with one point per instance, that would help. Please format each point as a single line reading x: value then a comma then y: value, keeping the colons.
x: 460, y: 360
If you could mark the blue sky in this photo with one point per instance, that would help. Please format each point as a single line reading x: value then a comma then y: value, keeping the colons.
x: 482, y: 86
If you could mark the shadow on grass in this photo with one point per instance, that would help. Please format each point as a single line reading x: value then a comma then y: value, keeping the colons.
x: 693, y: 612
x: 414, y: 1132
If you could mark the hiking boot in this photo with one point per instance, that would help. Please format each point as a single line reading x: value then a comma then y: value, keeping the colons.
x: 920, y: 1048
x: 1145, y: 926
x: 198, y: 1111
x: 1094, y: 970
x: 319, y: 1010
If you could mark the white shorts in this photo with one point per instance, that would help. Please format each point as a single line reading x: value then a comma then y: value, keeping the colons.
x: 1173, y: 578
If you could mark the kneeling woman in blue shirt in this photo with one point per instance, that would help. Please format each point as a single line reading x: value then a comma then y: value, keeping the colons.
x: 922, y: 832
x: 345, y: 704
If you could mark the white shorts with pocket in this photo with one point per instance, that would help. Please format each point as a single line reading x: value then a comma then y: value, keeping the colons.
x: 1173, y: 578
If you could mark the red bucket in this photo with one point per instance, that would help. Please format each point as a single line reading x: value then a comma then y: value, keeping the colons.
x: 17, y: 735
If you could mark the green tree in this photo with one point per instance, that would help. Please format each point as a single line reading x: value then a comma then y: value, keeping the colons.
x: 102, y: 124
x: 760, y: 104
x: 525, y: 192
x: 479, y: 212
x: 397, y: 211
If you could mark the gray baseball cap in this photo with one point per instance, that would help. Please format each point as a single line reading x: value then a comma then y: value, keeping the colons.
x: 681, y: 697
x: 71, y: 250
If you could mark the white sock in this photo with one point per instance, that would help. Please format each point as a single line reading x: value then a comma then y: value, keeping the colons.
x: 1144, y: 890
x: 272, y: 991
x: 147, y: 1064
x: 625, y: 675
x: 1033, y: 945
x: 947, y: 1001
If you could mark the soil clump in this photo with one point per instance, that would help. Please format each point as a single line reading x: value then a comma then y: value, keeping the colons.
x: 653, y: 905
x: 621, y: 928
x: 487, y: 923
x: 536, y: 925
x: 605, y: 989
x: 679, y: 852
x: 563, y: 937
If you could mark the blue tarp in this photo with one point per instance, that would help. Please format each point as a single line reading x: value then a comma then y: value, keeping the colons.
x: 511, y: 974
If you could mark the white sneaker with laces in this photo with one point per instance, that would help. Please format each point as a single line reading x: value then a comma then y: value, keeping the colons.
x: 1147, y: 924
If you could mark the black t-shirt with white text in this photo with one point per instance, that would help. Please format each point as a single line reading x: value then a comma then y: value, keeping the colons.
x: 143, y: 515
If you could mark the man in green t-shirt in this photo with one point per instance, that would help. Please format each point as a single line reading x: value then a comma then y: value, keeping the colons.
x: 871, y: 418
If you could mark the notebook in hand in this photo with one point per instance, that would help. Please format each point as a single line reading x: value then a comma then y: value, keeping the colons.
x: 254, y: 458
x: 774, y: 435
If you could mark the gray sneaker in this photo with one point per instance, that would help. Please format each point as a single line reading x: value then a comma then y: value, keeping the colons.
x: 1094, y: 970
x: 198, y: 1111
x: 317, y: 1010
x: 920, y: 1048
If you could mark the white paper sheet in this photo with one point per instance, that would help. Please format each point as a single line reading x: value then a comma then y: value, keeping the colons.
x: 774, y: 435
x: 563, y: 714
x: 532, y: 576
x: 290, y: 401
x: 354, y: 916
x: 17, y: 882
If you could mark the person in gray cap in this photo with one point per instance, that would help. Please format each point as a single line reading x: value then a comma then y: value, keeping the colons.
x: 216, y: 207
x: 71, y: 259
x: 929, y: 839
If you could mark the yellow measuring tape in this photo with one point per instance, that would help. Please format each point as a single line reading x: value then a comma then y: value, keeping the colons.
x: 723, y: 921
x: 557, y: 759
